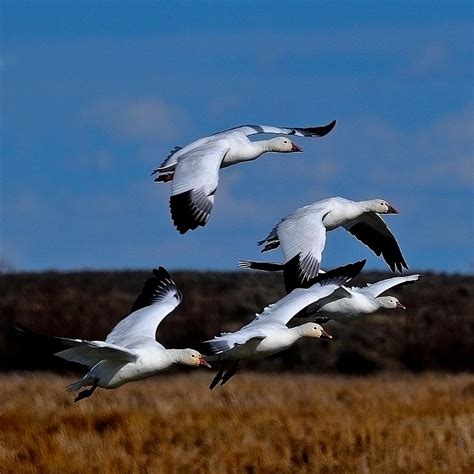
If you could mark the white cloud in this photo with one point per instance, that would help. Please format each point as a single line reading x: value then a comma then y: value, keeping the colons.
x: 138, y: 118
x: 229, y: 205
x: 429, y: 58
x: 221, y: 106
x: 442, y: 152
x: 26, y: 203
x: 102, y: 160
x: 327, y: 170
x: 379, y: 154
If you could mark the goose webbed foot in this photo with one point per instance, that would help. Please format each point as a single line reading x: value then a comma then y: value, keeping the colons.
x: 230, y: 373
x: 218, y: 376
x: 85, y: 393
x: 223, y: 375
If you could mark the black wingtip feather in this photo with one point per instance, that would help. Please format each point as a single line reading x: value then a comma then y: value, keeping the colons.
x: 270, y: 245
x: 18, y: 331
x: 291, y: 275
x: 292, y: 278
x: 164, y: 178
x: 180, y: 206
x: 269, y: 241
x: 155, y: 287
x: 161, y: 273
x: 381, y: 245
x: 344, y: 273
x: 298, y: 271
x: 318, y: 131
x: 265, y: 266
x: 185, y: 212
x: 41, y: 345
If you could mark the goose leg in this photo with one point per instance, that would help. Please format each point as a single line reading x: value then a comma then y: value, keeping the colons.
x: 218, y: 376
x: 86, y: 393
x: 230, y: 373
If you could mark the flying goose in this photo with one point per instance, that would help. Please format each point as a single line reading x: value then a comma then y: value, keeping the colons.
x: 345, y: 303
x: 194, y: 169
x: 302, y: 235
x: 348, y: 303
x: 130, y: 351
x: 268, y: 333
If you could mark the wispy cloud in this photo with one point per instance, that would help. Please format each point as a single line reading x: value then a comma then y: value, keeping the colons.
x: 429, y: 58
x: 222, y: 105
x: 441, y: 153
x: 138, y: 118
x: 26, y: 203
x: 231, y: 205
x: 102, y: 160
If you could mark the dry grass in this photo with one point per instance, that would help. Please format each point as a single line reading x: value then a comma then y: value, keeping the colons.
x: 258, y: 423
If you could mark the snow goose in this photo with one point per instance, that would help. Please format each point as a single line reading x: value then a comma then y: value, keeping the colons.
x: 302, y: 235
x: 194, y: 169
x: 130, y: 351
x: 268, y: 333
x: 345, y: 303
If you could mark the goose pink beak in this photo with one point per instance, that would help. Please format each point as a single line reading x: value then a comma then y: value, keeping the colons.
x: 203, y: 361
x: 392, y: 210
x: 325, y: 335
x: 399, y: 305
x: 295, y: 147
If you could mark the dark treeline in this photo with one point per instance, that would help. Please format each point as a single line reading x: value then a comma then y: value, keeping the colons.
x: 434, y: 333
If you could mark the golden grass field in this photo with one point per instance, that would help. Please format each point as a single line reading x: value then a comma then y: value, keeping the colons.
x: 257, y: 423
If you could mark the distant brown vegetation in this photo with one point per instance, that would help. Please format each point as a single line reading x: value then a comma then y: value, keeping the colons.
x: 259, y: 423
x: 436, y: 332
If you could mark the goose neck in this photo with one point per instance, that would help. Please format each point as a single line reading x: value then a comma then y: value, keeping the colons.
x: 174, y: 355
x: 297, y: 332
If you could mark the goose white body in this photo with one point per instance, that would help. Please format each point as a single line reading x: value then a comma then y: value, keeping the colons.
x: 359, y: 301
x: 302, y: 235
x: 149, y: 361
x: 130, y: 351
x: 194, y: 169
x: 268, y: 333
x: 274, y: 339
x: 346, y: 302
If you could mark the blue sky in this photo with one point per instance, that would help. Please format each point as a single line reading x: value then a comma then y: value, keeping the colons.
x: 94, y: 95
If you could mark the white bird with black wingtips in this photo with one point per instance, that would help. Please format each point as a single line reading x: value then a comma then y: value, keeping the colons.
x: 194, y: 169
x: 302, y: 235
x: 345, y: 303
x: 268, y: 333
x: 130, y: 351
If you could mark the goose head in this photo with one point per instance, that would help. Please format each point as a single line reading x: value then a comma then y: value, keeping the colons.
x: 192, y: 357
x: 313, y: 330
x: 283, y: 145
x: 380, y: 206
x: 389, y: 302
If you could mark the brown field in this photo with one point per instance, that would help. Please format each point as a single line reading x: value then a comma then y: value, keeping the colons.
x: 257, y: 423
